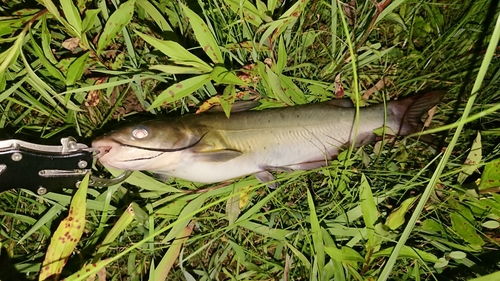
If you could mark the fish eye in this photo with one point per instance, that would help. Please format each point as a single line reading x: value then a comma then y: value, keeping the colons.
x: 140, y: 132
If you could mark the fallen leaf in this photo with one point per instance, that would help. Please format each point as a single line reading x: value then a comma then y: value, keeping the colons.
x: 71, y: 44
x: 377, y: 87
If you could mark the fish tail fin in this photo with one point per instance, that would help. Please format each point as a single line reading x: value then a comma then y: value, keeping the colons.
x: 410, y: 110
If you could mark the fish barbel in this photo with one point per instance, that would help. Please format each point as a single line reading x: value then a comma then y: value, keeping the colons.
x: 209, y: 147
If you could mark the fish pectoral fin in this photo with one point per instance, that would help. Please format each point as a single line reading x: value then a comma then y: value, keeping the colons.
x: 161, y: 177
x: 266, y: 177
x: 221, y: 155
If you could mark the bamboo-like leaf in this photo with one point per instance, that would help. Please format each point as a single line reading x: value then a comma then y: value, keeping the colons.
x: 116, y: 22
x: 275, y: 233
x: 203, y: 35
x: 275, y: 83
x: 222, y: 75
x: 51, y: 7
x: 186, y: 216
x: 11, y: 54
x: 174, y: 69
x: 247, y: 10
x: 67, y: 235
x: 40, y: 223
x: 76, y: 69
x: 488, y: 277
x: 368, y: 208
x: 291, y: 90
x: 86, y: 269
x: 316, y: 233
x: 163, y: 269
x: 227, y: 99
x: 91, y: 16
x: 491, y: 175
x: 72, y: 15
x: 46, y: 63
x: 118, y: 227
x: 180, y: 90
x: 233, y: 207
x: 465, y: 229
x: 397, y: 217
x: 344, y: 254
x: 155, y: 15
x: 408, y: 252
x: 176, y: 52
x: 282, y: 57
x: 46, y: 39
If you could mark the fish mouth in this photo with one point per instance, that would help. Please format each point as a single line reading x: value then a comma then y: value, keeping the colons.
x: 102, y: 147
x: 101, y: 151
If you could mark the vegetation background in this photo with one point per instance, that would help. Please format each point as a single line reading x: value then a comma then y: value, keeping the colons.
x: 395, y: 210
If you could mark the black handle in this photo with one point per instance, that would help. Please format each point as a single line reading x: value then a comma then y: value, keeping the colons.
x: 42, y: 172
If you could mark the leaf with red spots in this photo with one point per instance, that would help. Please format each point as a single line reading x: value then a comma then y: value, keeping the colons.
x: 295, y: 10
x: 247, y: 45
x: 67, y: 235
x: 227, y: 99
x: 180, y: 90
x: 287, y: 19
x: 222, y: 75
x: 89, y: 271
x: 464, y: 228
x: 203, y: 35
x: 291, y: 90
x: 491, y: 175
x: 213, y: 101
x: 116, y: 22
x: 275, y: 83
x: 472, y: 162
x: 247, y: 11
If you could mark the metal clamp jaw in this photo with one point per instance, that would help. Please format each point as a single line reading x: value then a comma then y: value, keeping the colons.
x: 44, y: 168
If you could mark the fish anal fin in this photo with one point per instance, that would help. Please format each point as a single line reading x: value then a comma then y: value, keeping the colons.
x: 276, y: 169
x: 267, y: 177
x: 221, y: 155
x: 308, y: 165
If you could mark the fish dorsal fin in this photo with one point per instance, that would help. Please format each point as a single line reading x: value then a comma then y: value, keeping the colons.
x: 220, y: 155
x: 410, y: 110
x: 341, y: 102
x: 238, y: 106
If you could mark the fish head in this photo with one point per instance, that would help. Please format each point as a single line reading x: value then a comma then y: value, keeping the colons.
x: 152, y: 145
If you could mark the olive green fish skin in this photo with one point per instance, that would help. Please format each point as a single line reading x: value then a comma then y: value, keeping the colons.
x: 209, y: 147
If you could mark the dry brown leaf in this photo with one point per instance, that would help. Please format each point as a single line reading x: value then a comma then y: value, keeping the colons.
x: 377, y: 87
x: 430, y: 113
x: 71, y: 44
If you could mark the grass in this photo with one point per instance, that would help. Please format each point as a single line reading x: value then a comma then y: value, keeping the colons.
x: 382, y: 212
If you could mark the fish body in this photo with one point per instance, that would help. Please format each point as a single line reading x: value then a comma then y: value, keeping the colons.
x: 209, y: 147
